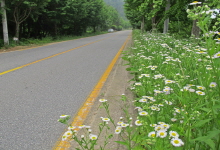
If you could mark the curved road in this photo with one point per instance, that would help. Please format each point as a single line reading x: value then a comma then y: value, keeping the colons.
x: 40, y: 84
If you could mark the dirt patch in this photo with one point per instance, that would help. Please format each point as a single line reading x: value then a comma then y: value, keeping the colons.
x: 17, y: 48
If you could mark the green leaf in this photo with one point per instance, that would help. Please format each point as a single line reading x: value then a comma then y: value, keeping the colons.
x: 205, y: 109
x: 207, y: 140
x: 121, y: 142
x: 213, y: 133
x: 201, y: 123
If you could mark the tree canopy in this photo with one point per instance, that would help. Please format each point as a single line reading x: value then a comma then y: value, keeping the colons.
x: 155, y: 12
x: 41, y: 18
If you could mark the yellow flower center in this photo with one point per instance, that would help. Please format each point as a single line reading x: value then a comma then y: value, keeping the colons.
x: 176, y: 141
x: 173, y: 134
x: 195, y: 2
x: 161, y: 133
x: 153, y: 135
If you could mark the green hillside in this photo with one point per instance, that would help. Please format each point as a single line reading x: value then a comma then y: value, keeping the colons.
x: 118, y: 4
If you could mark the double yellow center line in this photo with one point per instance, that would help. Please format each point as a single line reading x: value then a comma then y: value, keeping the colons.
x: 2, y: 73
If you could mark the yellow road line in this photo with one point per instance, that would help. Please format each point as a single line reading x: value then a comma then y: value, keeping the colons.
x: 1, y: 73
x: 85, y: 108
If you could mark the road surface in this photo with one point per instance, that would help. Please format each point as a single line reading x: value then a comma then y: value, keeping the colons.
x: 40, y: 84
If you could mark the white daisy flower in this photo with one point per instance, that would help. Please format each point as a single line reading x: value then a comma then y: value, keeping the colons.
x: 89, y: 130
x: 71, y: 127
x: 64, y: 116
x: 152, y: 134
x: 177, y: 142
x: 138, y: 123
x: 169, y: 81
x: 177, y: 110
x: 64, y: 138
x: 143, y: 100
x: 192, y: 90
x: 161, y: 123
x: 153, y: 125
x: 158, y: 91
x: 68, y: 133
x: 145, y: 75
x: 138, y: 83
x: 117, y: 131
x: 105, y: 119
x: 173, y: 119
x: 167, y: 126
x: 200, y: 93
x: 159, y: 105
x: 217, y: 55
x: 153, y: 108
x: 124, y: 125
x: 143, y: 113
x: 161, y: 133
x: 195, y: 3
x: 159, y: 127
x: 82, y: 126
x: 212, y: 84
x: 102, y: 100
x: 173, y: 134
x: 168, y: 102
x: 93, y: 137
x: 201, y: 87
x: 201, y: 52
x: 119, y: 123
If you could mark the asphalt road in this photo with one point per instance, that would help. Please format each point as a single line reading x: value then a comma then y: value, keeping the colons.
x: 34, y: 96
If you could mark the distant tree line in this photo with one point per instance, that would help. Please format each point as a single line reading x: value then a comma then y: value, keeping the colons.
x: 118, y: 4
x: 41, y: 18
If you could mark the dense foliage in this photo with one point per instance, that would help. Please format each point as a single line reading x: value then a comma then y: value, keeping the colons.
x: 154, y: 12
x: 41, y: 18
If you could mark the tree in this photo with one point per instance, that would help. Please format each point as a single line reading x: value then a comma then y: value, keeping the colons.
x: 4, y: 23
x: 22, y: 10
x: 166, y: 22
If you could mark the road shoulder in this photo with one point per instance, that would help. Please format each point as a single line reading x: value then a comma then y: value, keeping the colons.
x: 115, y: 86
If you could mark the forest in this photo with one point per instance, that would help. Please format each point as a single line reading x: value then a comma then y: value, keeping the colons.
x: 37, y: 19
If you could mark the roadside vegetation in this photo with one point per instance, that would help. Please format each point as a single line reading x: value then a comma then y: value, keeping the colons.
x: 31, y: 42
x: 176, y: 84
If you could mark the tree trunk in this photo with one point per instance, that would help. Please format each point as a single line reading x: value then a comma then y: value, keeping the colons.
x: 17, y: 30
x: 153, y: 21
x: 166, y: 22
x: 195, y: 29
x: 4, y: 23
x: 142, y: 25
x: 94, y: 29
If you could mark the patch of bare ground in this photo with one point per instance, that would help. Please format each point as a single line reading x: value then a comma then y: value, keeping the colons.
x: 9, y: 49
x: 116, y: 85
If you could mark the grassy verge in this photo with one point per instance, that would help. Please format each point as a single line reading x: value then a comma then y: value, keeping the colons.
x: 178, y: 92
x: 24, y: 43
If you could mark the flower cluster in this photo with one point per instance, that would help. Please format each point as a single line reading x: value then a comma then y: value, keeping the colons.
x: 175, y: 83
